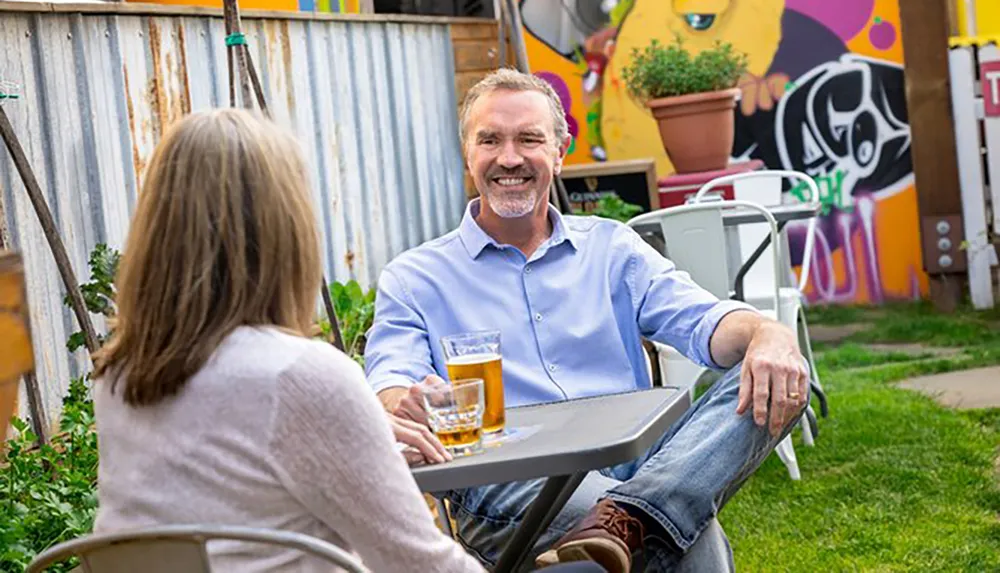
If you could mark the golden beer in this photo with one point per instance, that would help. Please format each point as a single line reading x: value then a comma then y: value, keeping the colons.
x: 489, y: 368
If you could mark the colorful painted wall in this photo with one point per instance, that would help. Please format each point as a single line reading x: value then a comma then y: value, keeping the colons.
x: 824, y: 94
x: 987, y: 17
x: 329, y: 6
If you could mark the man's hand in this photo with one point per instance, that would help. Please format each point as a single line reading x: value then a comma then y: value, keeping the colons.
x: 407, y: 403
x: 773, y: 369
x: 408, y: 416
x: 424, y: 445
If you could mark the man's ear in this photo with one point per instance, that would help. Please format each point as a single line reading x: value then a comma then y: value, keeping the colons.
x: 563, y: 149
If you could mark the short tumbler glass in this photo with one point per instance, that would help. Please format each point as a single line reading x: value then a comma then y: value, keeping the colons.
x: 455, y: 413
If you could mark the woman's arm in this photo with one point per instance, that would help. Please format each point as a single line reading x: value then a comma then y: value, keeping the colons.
x: 332, y: 445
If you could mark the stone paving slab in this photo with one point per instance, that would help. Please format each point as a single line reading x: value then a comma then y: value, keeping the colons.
x: 915, y: 349
x: 834, y: 333
x: 965, y: 389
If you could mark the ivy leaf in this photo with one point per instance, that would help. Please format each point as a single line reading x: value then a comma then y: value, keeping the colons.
x: 76, y: 340
x: 20, y: 425
x: 354, y: 291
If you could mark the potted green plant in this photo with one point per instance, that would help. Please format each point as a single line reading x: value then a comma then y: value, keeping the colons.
x: 692, y: 99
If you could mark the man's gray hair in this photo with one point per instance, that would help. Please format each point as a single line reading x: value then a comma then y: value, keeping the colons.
x: 513, y: 80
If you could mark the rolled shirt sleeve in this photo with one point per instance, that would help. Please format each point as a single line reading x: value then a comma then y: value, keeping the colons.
x: 670, y: 307
x: 397, y: 352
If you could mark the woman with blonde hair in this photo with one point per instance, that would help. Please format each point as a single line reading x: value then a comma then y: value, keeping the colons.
x: 213, y: 406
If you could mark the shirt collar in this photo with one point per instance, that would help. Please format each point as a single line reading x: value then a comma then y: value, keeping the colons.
x: 475, y: 239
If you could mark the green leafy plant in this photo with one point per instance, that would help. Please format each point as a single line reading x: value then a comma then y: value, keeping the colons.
x: 661, y: 70
x: 48, y: 494
x: 355, y: 312
x: 611, y: 206
x: 99, y: 293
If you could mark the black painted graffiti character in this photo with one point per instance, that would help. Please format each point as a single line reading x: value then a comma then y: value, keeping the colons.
x: 846, y: 116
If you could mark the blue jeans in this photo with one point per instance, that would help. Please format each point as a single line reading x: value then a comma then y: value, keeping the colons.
x: 679, y: 485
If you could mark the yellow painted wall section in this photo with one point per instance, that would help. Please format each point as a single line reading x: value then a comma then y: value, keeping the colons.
x: 987, y: 17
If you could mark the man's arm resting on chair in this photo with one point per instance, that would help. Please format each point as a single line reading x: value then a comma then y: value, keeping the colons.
x: 773, y: 369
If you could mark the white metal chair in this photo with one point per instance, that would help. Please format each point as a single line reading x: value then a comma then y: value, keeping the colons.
x: 757, y: 291
x: 176, y: 548
x: 700, y: 225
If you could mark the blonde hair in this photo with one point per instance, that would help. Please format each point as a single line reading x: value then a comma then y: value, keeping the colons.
x: 513, y: 80
x: 224, y: 235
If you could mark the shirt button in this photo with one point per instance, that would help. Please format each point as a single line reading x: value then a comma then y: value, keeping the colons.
x: 552, y: 367
x: 538, y: 317
x: 527, y: 269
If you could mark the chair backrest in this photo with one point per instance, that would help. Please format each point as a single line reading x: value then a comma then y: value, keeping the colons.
x: 173, y: 548
x: 814, y: 197
x: 696, y: 243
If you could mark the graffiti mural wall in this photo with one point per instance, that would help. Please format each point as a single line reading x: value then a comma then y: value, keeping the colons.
x: 824, y: 94
x: 327, y: 6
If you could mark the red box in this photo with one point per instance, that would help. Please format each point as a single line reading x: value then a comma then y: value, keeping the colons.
x: 990, y: 78
x: 676, y: 189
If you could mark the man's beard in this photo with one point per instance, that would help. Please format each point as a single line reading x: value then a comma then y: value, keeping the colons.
x: 510, y: 204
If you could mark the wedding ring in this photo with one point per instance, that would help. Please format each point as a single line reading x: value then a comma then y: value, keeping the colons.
x: 793, y: 395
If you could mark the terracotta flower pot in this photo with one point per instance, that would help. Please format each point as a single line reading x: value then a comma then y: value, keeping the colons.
x: 697, y: 130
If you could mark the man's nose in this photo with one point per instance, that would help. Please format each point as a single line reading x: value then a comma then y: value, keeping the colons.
x: 509, y: 156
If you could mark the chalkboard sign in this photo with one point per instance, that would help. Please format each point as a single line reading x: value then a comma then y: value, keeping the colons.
x: 632, y: 180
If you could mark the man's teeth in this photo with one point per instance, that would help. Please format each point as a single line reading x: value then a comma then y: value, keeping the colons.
x: 508, y: 181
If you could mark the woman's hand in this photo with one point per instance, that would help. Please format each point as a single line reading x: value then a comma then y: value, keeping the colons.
x: 423, y: 445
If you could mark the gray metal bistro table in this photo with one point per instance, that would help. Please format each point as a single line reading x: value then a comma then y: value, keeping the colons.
x: 562, y: 442
x: 738, y: 216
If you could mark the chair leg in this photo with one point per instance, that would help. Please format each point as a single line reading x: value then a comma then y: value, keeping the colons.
x: 444, y: 517
x: 811, y: 419
x: 806, y: 346
x: 808, y: 438
x: 786, y: 451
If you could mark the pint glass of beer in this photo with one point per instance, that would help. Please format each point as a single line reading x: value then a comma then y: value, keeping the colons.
x: 477, y: 355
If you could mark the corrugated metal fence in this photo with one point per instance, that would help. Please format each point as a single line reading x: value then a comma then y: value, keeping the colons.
x: 372, y: 102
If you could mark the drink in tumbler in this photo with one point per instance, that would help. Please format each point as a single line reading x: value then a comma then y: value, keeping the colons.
x: 463, y: 435
x: 477, y: 355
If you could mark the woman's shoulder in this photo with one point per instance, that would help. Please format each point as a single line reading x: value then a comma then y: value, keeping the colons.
x: 267, y: 352
x: 302, y: 359
x: 271, y: 341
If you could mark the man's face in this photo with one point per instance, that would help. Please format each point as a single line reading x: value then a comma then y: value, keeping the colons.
x: 512, y: 152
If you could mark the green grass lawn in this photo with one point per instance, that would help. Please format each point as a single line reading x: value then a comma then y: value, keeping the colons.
x: 895, y: 481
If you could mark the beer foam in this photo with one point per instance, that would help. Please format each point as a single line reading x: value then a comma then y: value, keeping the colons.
x: 472, y: 359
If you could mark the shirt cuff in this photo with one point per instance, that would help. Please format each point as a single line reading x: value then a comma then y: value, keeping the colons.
x: 709, y: 323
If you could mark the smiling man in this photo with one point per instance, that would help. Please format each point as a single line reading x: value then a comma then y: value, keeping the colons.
x: 573, y: 297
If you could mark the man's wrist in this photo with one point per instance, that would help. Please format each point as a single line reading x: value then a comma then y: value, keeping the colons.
x: 392, y: 396
x: 733, y: 334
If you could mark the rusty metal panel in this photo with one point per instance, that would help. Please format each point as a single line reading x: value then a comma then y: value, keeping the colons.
x: 373, y: 105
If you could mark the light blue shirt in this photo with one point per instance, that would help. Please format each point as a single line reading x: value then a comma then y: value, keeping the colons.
x: 571, y: 317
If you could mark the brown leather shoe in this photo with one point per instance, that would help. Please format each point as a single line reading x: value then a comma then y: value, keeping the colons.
x: 607, y: 535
